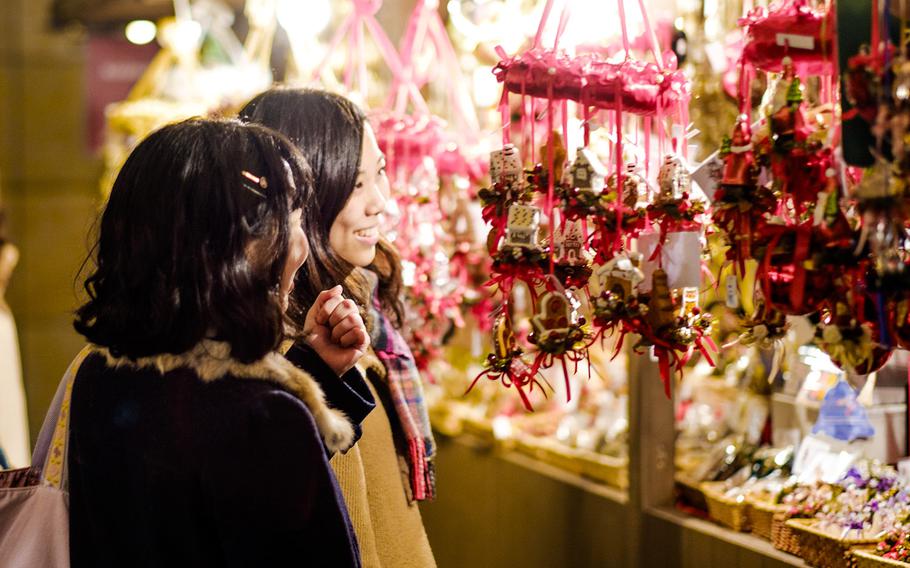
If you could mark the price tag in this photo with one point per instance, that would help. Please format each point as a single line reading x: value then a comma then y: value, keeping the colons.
x: 681, y: 259
x: 732, y: 292
x: 811, y: 450
x: 796, y: 41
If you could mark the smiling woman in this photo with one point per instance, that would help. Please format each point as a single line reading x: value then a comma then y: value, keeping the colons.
x: 350, y: 189
x: 345, y: 221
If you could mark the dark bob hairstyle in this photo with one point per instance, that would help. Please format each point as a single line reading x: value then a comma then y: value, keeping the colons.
x: 193, y: 242
x: 328, y: 129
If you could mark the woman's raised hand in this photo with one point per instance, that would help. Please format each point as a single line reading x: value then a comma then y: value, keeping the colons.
x: 335, y: 330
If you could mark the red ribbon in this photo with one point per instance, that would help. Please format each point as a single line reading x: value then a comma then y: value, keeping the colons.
x: 803, y: 240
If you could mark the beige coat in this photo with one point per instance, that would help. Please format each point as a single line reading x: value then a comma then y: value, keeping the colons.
x: 372, y: 477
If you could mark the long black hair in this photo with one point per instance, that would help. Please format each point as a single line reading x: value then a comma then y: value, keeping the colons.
x: 175, y: 260
x: 328, y: 129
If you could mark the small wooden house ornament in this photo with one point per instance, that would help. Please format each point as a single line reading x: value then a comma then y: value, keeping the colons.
x: 523, y: 226
x: 503, y: 338
x: 587, y: 173
x: 505, y: 166
x: 673, y: 179
x: 621, y: 275
x: 559, y: 154
x: 570, y: 244
x: 635, y: 191
x: 557, y: 315
x: 660, y: 307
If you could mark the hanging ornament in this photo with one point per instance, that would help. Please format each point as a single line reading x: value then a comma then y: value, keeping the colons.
x: 672, y: 328
x: 514, y: 240
x: 740, y: 203
x: 852, y: 343
x: 766, y: 329
x: 506, y: 363
x: 616, y: 302
x: 507, y: 187
x: 588, y: 212
x: 571, y: 257
x: 581, y: 190
x: 791, y: 28
x: 559, y: 331
x: 673, y: 210
x: 636, y: 193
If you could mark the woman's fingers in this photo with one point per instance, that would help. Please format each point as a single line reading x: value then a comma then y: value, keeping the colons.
x: 331, y: 305
x: 326, y: 301
x: 340, y: 311
x: 356, y: 338
x: 346, y: 325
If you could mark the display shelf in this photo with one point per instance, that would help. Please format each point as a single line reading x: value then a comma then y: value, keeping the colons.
x: 541, y: 468
x: 715, y: 541
x: 575, y: 522
x: 619, y: 496
x: 499, y: 508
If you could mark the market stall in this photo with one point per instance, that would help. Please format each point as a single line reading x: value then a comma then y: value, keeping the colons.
x: 654, y: 254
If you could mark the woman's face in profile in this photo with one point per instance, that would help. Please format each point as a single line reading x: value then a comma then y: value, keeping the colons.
x: 356, y: 230
x: 298, y: 251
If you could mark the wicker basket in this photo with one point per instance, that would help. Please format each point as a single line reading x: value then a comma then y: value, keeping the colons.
x: 823, y: 550
x: 782, y: 536
x: 730, y: 512
x: 689, y: 493
x: 551, y: 452
x: 863, y: 557
x: 761, y: 517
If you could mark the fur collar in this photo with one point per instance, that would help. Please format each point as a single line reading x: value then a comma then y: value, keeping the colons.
x: 211, y: 360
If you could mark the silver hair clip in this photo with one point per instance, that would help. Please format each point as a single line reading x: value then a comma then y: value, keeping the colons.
x: 260, y: 181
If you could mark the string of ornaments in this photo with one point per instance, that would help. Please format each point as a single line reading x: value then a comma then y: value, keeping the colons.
x: 604, y: 264
x: 829, y: 241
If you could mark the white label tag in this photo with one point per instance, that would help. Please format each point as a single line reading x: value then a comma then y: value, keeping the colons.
x: 732, y: 292
x: 819, y: 214
x: 706, y: 175
x: 796, y: 41
x: 811, y: 451
x: 681, y: 258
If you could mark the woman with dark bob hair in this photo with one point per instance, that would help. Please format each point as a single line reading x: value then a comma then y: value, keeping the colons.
x: 193, y: 441
x: 392, y: 465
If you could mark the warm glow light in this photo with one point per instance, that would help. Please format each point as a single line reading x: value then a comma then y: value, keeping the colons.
x: 600, y: 22
x: 141, y: 32
x: 304, y: 20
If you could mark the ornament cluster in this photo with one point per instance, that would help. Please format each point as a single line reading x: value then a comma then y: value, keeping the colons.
x: 569, y: 243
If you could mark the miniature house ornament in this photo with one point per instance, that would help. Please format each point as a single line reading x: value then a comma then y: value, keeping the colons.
x: 587, y: 173
x: 570, y: 244
x: 556, y: 317
x: 673, y: 179
x: 661, y: 312
x: 503, y: 338
x: 635, y: 191
x: 621, y: 275
x: 505, y: 166
x: 523, y: 226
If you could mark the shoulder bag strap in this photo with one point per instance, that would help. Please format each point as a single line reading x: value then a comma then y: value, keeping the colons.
x: 50, y: 451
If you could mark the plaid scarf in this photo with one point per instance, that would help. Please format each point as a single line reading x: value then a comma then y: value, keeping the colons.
x: 406, y: 392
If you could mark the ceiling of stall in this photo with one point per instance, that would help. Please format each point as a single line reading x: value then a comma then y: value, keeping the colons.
x: 108, y: 13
